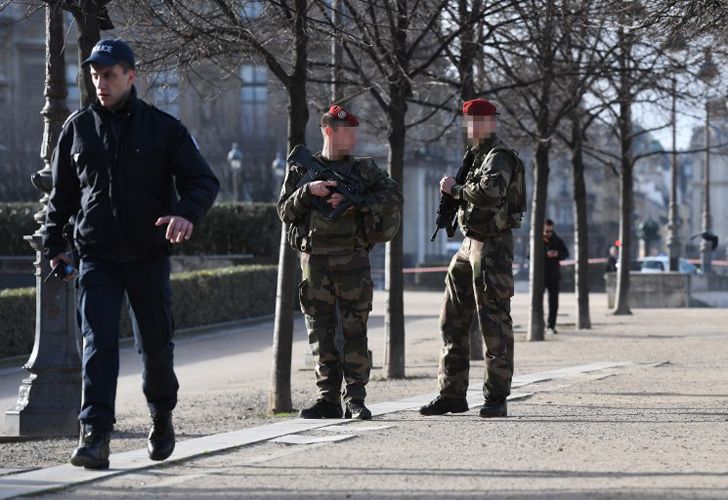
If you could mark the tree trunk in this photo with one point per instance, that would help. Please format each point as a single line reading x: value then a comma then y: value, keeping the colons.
x: 466, y: 70
x: 625, y: 235
x: 581, y: 226
x: 626, y: 183
x: 541, y: 179
x: 337, y: 61
x: 394, y: 350
x: 280, y: 393
x: 399, y: 91
x: 89, y: 32
x: 538, y: 209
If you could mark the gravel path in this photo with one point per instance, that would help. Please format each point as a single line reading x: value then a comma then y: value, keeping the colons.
x: 655, y: 429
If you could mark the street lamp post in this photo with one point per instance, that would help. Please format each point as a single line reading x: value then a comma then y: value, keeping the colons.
x: 675, y: 45
x: 235, y: 159
x: 50, y: 398
x: 673, y: 224
x: 706, y: 248
x: 707, y: 73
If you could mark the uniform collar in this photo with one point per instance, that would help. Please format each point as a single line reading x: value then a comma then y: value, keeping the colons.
x: 126, y: 109
x: 487, y: 144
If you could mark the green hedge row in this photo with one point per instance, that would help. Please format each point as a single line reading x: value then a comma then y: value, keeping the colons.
x: 228, y: 228
x: 236, y: 228
x: 17, y: 332
x: 16, y: 221
x: 198, y: 298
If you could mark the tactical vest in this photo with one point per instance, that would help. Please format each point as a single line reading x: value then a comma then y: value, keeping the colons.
x: 318, y: 235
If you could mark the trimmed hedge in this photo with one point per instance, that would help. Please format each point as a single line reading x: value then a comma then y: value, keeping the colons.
x: 17, y: 331
x: 198, y: 298
x: 225, y: 294
x: 16, y: 221
x: 236, y: 228
x: 228, y: 228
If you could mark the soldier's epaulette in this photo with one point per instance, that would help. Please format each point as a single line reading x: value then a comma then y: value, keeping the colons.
x: 165, y: 113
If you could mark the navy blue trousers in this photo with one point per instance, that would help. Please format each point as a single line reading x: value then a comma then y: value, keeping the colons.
x: 101, y: 287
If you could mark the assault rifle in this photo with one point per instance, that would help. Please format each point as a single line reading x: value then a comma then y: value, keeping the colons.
x: 349, y: 185
x: 447, y: 211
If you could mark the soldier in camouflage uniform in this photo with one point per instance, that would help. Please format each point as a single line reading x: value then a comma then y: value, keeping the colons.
x: 335, y: 263
x: 479, y: 278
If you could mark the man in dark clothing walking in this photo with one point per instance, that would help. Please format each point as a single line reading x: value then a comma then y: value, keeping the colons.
x: 134, y: 181
x: 555, y: 252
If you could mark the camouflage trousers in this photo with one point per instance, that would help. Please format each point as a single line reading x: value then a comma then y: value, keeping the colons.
x: 480, y: 278
x: 346, y: 281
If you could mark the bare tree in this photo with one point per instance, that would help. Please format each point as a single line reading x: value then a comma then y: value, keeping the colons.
x: 226, y: 33
x: 693, y: 19
x: 584, y: 58
x: 634, y: 75
x: 527, y: 57
x: 91, y: 18
x: 389, y: 47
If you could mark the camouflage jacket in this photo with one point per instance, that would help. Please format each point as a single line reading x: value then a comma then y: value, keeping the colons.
x: 312, y: 232
x: 484, y: 210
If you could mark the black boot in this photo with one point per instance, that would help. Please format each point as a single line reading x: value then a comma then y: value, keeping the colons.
x: 322, y: 409
x: 93, y: 448
x: 494, y: 408
x: 356, y: 409
x: 160, y: 444
x: 441, y: 405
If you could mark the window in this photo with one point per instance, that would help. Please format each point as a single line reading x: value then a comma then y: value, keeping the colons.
x: 72, y: 85
x: 165, y: 91
x: 254, y: 100
x: 251, y: 9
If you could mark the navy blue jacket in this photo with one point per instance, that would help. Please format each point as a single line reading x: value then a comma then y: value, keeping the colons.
x: 116, y: 173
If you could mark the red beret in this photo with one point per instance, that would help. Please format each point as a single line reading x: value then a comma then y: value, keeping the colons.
x: 338, y: 113
x: 479, y: 107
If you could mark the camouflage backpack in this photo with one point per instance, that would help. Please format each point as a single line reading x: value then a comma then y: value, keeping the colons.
x: 516, y: 190
x: 381, y: 226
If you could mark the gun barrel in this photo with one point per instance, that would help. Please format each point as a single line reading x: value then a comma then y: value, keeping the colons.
x: 434, y: 235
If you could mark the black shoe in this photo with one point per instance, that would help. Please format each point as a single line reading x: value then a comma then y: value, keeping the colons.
x: 93, y: 448
x: 322, y: 409
x: 494, y: 408
x: 160, y: 444
x: 441, y: 405
x: 356, y: 409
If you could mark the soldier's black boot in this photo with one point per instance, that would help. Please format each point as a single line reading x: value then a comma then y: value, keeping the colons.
x: 355, y: 409
x: 441, y: 405
x: 160, y: 444
x: 494, y: 408
x: 93, y: 448
x: 322, y: 409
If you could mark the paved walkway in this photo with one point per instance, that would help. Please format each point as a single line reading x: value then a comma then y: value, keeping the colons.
x: 635, y: 408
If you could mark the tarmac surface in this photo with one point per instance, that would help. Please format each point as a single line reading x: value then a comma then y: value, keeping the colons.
x: 648, y: 419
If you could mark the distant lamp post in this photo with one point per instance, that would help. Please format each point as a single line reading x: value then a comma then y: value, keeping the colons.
x: 675, y: 45
x: 235, y: 159
x: 649, y: 232
x: 707, y: 73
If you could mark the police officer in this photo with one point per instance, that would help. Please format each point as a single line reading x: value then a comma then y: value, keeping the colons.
x: 335, y: 262
x: 115, y: 169
x: 554, y: 252
x: 480, y: 277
